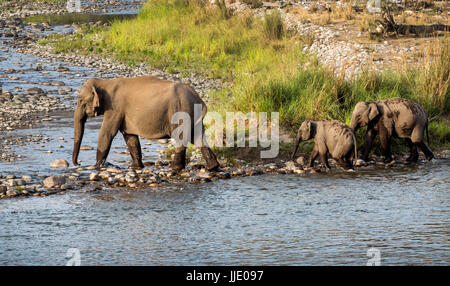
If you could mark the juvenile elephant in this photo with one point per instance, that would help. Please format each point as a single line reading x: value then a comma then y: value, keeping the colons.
x: 140, y: 106
x: 329, y: 136
x: 392, y: 117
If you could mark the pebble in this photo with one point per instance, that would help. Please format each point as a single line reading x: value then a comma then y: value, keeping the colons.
x: 59, y: 163
x: 93, y: 176
x: 301, y: 161
x: 86, y: 148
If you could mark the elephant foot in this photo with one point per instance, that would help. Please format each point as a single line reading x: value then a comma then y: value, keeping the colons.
x: 176, y: 166
x: 410, y: 160
x: 429, y: 157
x: 179, y: 162
x: 387, y: 160
x: 210, y: 158
x: 410, y: 163
x: 212, y: 166
x: 137, y: 165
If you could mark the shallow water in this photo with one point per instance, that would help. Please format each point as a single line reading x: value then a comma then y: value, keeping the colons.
x: 36, y: 158
x: 330, y: 219
x: 320, y: 219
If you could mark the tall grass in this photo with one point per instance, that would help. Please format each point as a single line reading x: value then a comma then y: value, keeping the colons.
x: 273, y: 25
x: 316, y: 92
x: 187, y: 35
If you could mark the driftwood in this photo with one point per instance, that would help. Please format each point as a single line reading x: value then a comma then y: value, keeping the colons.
x: 390, y: 27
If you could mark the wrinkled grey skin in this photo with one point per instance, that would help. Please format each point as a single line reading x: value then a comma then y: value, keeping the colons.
x: 398, y: 117
x: 140, y: 106
x: 331, y: 137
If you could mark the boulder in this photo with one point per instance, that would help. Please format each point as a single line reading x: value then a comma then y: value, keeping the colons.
x: 59, y: 163
x: 54, y: 181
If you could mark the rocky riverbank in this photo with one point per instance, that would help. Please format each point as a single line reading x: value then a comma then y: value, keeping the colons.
x: 27, y: 8
x: 343, y: 45
x: 157, y: 174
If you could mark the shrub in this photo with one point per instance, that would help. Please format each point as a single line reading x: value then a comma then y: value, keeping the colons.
x: 273, y: 25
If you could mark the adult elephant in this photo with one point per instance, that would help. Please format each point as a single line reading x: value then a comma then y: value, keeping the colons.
x: 392, y: 117
x: 141, y: 106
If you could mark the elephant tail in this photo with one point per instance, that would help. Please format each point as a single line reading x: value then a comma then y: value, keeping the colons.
x: 428, y: 135
x: 204, y: 110
x: 355, y: 149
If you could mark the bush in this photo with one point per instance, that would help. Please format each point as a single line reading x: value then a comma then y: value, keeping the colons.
x: 273, y: 25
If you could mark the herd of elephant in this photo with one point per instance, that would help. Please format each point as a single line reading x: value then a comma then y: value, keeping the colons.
x: 144, y: 106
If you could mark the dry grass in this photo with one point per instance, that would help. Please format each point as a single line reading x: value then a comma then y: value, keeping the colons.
x: 365, y: 21
x: 320, y: 16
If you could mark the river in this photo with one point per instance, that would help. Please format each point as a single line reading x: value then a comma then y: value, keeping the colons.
x: 330, y: 219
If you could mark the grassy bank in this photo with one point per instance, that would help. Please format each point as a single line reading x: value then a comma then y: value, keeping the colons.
x: 264, y: 62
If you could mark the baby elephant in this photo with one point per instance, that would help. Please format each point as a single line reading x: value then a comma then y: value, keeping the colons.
x: 329, y: 136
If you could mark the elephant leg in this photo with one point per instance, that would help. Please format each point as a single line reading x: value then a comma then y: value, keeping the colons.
x: 349, y: 163
x: 210, y: 158
x: 313, y: 156
x: 107, y: 133
x: 413, y: 154
x: 134, y: 147
x: 179, y: 162
x: 324, y: 159
x: 417, y: 138
x: 343, y: 163
x: 349, y: 158
x: 368, y: 141
x: 426, y: 150
x: 385, y: 140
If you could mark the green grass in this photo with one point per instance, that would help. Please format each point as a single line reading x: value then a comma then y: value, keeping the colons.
x: 264, y: 63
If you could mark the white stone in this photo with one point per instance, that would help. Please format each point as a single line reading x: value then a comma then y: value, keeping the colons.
x: 59, y: 163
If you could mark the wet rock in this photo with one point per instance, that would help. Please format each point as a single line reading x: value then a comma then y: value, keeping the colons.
x: 238, y: 172
x: 131, y: 177
x: 93, y: 176
x: 360, y: 163
x: 27, y: 178
x: 58, y: 83
x: 35, y: 91
x: 301, y: 161
x: 11, y: 193
x: 62, y: 69
x: 86, y: 148
x: 59, y: 163
x: 113, y: 170
x: 290, y: 165
x: 204, y: 174
x: 54, y: 181
x: 223, y: 175
x: 104, y: 175
x: 255, y: 172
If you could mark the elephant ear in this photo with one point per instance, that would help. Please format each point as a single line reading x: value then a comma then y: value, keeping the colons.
x: 306, y: 133
x: 96, y: 100
x: 373, y: 111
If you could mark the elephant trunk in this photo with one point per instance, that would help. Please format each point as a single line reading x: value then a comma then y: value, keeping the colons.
x: 354, y: 125
x: 296, y: 147
x: 78, y: 126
